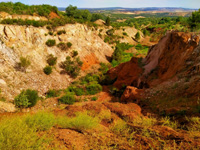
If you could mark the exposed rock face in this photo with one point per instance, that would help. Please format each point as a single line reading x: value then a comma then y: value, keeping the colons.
x: 132, y: 94
x: 171, y: 54
x: 130, y: 110
x: 126, y: 73
x: 176, y: 54
x: 7, y: 107
x: 4, y: 15
x: 30, y: 42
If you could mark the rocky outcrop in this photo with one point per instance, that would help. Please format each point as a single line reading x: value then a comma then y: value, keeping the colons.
x: 17, y: 41
x: 132, y: 94
x: 176, y: 54
x: 171, y: 55
x: 126, y: 73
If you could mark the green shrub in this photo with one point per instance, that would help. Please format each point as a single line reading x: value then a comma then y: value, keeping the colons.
x: 26, y: 98
x: 51, y: 60
x: 40, y: 121
x: 139, y: 47
x: 74, y: 53
x: 68, y: 98
x: 77, y: 90
x: 47, y: 70
x: 32, y: 96
x: 119, y: 127
x: 124, y: 33
x: 81, y: 122
x: 52, y: 93
x: 24, y: 63
x: 50, y: 33
x: 69, y: 44
x: 110, y: 32
x: 62, y: 46
x: 93, y: 88
x: 61, y: 32
x: 50, y: 42
x: 21, y: 100
x: 49, y: 27
x: 94, y: 98
x: 137, y: 36
x: 108, y: 22
x: 72, y: 67
x: 146, y: 32
x: 16, y: 135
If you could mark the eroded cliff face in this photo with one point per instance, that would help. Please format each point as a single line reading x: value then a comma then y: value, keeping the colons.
x: 170, y: 64
x: 17, y: 41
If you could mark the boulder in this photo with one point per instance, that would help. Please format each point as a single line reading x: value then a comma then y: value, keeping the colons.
x: 132, y: 94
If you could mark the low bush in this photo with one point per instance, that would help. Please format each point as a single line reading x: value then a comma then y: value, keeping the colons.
x: 93, y: 88
x: 51, y: 60
x: 21, y: 100
x: 137, y: 36
x: 23, y: 64
x: 61, y: 32
x: 69, y: 44
x: 94, y: 98
x: 138, y: 47
x: 52, y: 93
x: 26, y: 98
x: 47, y: 70
x: 32, y: 96
x: 77, y: 90
x: 68, y: 98
x: 81, y: 122
x: 74, y: 53
x: 62, y: 46
x: 50, y: 33
x: 50, y: 42
x: 17, y: 135
x: 124, y: 33
x: 41, y: 121
x: 119, y: 127
x: 72, y: 67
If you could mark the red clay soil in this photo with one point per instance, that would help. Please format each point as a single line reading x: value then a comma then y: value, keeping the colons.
x: 88, y: 61
x: 53, y: 15
x: 129, y: 110
x: 127, y: 73
x: 105, y: 95
x: 170, y: 54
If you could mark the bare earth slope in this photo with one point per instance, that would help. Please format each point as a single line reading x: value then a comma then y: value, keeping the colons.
x: 170, y: 74
x: 17, y: 41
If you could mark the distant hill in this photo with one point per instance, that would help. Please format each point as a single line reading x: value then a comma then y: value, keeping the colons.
x: 168, y: 9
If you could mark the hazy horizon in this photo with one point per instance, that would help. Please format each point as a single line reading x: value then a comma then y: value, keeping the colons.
x: 193, y: 4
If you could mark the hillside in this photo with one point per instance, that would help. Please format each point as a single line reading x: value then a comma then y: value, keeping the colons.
x: 171, y: 66
x: 17, y: 41
x: 111, y: 79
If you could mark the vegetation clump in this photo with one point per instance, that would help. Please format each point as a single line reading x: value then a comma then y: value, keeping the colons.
x: 81, y: 122
x: 61, y: 32
x: 72, y: 66
x: 51, y: 60
x: 119, y: 56
x: 137, y: 36
x: 50, y: 42
x: 27, y: 98
x: 68, y: 98
x: 23, y: 64
x: 69, y: 44
x: 22, y: 9
x: 52, y: 93
x: 47, y: 70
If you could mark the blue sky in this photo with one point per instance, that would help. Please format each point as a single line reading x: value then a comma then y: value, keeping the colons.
x: 115, y: 3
